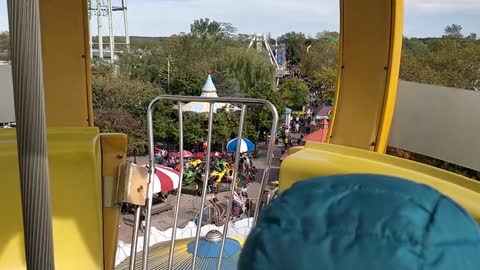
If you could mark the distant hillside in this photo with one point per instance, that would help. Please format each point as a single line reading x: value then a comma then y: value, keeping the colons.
x: 132, y: 38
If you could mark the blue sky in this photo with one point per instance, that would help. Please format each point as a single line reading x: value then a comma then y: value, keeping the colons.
x: 165, y: 17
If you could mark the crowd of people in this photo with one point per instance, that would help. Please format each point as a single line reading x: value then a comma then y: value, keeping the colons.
x: 303, y: 123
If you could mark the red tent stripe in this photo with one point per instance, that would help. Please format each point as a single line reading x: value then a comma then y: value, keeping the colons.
x: 165, y: 181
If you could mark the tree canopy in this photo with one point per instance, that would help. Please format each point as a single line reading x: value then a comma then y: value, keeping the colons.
x: 295, y: 45
x: 179, y: 64
x: 450, y: 61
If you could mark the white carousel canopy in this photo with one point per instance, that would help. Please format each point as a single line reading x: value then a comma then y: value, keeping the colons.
x: 208, y: 90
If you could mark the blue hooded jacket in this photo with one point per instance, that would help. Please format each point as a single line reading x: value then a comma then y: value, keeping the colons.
x: 362, y: 222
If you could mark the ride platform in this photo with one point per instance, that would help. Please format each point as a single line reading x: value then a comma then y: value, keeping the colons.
x: 194, y: 188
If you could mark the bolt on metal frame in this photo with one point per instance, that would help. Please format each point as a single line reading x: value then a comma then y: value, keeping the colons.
x: 211, y: 100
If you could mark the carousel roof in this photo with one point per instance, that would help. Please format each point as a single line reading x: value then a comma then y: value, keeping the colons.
x: 208, y: 90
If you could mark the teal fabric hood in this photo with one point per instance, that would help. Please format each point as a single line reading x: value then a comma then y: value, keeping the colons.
x: 362, y: 221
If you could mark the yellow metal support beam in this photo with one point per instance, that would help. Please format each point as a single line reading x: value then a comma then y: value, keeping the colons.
x: 371, y: 39
x: 114, y: 152
x: 66, y: 63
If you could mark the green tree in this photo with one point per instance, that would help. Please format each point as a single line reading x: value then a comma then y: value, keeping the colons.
x: 471, y: 37
x: 453, y: 31
x: 226, y: 83
x: 147, y: 65
x: 259, y: 119
x: 197, y: 125
x: 328, y: 96
x: 321, y: 62
x: 119, y: 106
x: 329, y: 35
x: 205, y: 29
x: 448, y: 61
x: 325, y: 78
x: 248, y: 67
x: 185, y: 83
x: 4, y: 41
x: 294, y: 93
x: 295, y: 45
x: 4, y: 46
x: 415, y: 47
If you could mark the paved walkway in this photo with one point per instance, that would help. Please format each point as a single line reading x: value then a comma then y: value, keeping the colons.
x: 190, y: 205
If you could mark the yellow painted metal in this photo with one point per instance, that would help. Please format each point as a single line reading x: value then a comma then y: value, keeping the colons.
x: 371, y: 36
x: 75, y: 175
x: 294, y: 149
x: 158, y: 258
x: 396, y: 37
x: 114, y: 152
x: 66, y: 63
x: 318, y: 159
x: 12, y: 251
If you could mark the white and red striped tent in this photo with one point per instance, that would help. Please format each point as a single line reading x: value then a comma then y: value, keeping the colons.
x: 165, y: 179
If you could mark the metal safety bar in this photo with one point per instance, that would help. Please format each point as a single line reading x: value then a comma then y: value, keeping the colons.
x: 232, y: 188
x: 211, y: 100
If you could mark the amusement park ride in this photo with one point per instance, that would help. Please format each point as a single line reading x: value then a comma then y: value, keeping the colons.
x: 61, y: 198
x: 98, y: 11
x: 276, y: 55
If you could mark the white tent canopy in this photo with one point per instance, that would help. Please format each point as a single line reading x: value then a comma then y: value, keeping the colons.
x: 208, y: 90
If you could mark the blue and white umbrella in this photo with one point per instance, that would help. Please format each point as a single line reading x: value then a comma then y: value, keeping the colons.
x: 208, y: 90
x: 245, y: 146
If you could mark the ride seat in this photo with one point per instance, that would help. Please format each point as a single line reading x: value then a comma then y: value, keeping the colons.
x: 75, y: 166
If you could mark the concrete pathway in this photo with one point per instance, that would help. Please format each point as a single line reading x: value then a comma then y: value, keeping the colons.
x: 190, y: 205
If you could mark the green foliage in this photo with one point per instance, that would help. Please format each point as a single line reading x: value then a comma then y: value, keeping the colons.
x: 453, y: 31
x: 4, y: 46
x: 328, y: 96
x: 148, y: 42
x: 449, y: 61
x: 259, y: 119
x: 178, y: 65
x: 184, y: 83
x: 119, y: 106
x: 321, y: 60
x: 295, y: 45
x: 329, y: 35
x: 195, y: 127
x: 226, y: 83
x: 4, y: 41
x: 148, y: 65
x: 206, y: 29
x: 322, y: 57
x: 471, y: 37
x: 294, y: 93
x: 326, y: 78
x: 248, y: 67
x: 415, y: 46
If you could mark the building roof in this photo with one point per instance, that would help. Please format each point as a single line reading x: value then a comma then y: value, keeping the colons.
x: 209, y: 89
x: 320, y: 135
x: 324, y: 110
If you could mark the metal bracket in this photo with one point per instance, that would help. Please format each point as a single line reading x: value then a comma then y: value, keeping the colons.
x: 132, y: 184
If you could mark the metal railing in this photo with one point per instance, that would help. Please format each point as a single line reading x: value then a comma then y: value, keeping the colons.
x: 243, y: 102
